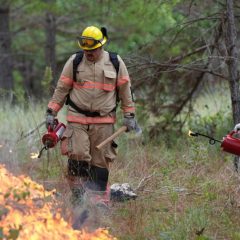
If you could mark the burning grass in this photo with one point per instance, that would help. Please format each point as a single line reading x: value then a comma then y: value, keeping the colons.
x: 27, y: 211
x: 187, y: 189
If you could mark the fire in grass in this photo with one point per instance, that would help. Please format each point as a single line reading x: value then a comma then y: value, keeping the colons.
x: 26, y: 212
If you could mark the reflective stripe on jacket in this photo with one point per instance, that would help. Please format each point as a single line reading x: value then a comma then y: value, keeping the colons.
x: 95, y: 90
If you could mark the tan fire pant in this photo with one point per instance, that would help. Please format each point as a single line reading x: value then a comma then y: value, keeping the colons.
x: 80, y: 140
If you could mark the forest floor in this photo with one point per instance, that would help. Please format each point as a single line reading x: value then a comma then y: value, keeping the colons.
x: 187, y: 189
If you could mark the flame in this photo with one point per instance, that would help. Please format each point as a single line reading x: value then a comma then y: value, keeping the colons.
x: 34, y: 155
x: 26, y: 212
x: 190, y: 133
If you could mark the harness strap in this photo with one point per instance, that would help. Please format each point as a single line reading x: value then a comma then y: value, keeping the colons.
x: 86, y: 113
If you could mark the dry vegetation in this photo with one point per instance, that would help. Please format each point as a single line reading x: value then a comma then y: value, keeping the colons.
x: 186, y: 190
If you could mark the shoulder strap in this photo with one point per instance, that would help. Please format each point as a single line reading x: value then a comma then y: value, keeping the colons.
x: 76, y: 61
x: 114, y: 59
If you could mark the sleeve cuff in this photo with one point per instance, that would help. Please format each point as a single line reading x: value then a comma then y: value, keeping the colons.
x: 55, y: 107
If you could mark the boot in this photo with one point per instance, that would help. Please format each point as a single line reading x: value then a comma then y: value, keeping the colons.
x: 77, y: 189
x: 78, y: 174
x: 97, y: 186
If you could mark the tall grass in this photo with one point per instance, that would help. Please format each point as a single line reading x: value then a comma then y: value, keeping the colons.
x: 18, y: 140
x: 189, y: 191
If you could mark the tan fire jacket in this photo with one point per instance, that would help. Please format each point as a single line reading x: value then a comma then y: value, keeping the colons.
x: 95, y: 90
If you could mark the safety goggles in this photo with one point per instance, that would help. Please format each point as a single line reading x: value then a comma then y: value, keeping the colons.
x: 88, y: 42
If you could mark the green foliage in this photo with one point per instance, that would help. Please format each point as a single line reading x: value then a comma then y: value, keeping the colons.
x: 220, y: 123
x: 212, y: 114
x: 157, y: 30
x: 193, y: 220
x: 19, y: 91
x: 148, y: 22
x: 236, y: 235
x: 47, y: 81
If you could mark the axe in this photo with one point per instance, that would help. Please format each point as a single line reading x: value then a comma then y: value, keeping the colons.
x: 116, y: 134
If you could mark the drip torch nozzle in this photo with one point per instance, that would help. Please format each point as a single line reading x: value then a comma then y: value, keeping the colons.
x: 47, y: 144
x: 41, y: 151
x: 196, y: 134
x: 192, y: 134
x: 230, y: 143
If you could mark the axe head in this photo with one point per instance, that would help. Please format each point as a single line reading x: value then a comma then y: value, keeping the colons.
x: 138, y: 130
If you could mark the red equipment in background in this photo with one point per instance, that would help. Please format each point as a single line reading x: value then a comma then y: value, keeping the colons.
x: 52, y: 136
x: 230, y: 143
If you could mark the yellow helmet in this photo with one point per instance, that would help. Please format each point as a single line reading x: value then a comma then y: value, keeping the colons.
x: 92, y: 38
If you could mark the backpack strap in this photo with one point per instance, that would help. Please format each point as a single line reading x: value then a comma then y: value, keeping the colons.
x: 76, y: 61
x: 114, y: 60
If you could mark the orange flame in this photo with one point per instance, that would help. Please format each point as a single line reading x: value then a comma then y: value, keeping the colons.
x: 26, y: 212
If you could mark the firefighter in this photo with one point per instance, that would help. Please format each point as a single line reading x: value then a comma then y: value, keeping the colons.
x: 91, y: 89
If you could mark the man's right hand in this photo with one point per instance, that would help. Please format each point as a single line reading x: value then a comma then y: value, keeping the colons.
x: 49, y: 119
x: 237, y: 127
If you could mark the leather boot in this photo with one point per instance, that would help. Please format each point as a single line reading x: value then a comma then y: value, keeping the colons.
x: 97, y: 186
x: 77, y: 189
x: 78, y: 174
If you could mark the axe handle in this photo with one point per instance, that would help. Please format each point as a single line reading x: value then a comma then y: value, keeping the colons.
x: 109, y: 139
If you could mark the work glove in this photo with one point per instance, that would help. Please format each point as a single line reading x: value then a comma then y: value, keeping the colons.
x: 50, y: 119
x: 130, y: 122
x: 237, y: 127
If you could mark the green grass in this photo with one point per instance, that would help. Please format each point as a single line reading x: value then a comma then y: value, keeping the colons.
x: 189, y: 191
x: 207, y: 181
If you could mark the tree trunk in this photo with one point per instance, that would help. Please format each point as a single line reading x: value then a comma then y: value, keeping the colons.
x: 6, y: 77
x: 50, y: 47
x: 232, y: 61
x: 233, y: 67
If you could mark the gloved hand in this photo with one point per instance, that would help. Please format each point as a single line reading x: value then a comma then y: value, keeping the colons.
x: 130, y: 122
x: 50, y: 118
x: 237, y: 127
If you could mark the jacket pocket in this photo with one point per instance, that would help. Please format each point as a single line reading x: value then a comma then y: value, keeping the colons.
x: 80, y: 76
x: 66, y: 141
x: 109, y: 80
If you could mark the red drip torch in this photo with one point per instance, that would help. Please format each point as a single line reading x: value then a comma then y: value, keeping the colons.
x: 52, y: 136
x: 230, y: 142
